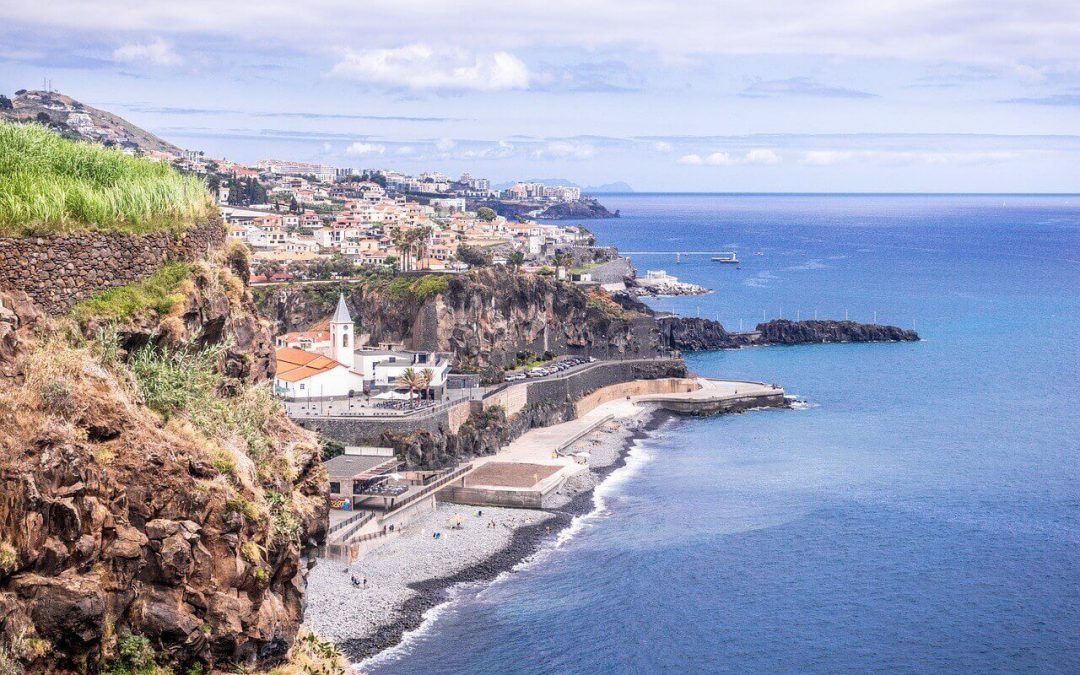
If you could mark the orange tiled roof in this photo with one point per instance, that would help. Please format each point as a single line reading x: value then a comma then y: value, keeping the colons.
x: 296, y: 364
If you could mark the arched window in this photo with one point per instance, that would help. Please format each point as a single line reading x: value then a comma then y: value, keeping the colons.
x: 344, y: 339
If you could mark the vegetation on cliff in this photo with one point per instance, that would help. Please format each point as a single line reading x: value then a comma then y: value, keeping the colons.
x: 160, y: 293
x: 156, y: 500
x: 49, y: 184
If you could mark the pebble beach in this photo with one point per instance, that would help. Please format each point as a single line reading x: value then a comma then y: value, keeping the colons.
x: 411, y: 572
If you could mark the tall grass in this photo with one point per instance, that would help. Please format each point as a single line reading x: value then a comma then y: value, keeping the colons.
x: 49, y: 184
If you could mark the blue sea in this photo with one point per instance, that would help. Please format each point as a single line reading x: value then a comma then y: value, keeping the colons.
x: 921, y: 513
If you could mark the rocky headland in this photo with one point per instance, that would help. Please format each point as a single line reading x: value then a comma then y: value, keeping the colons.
x: 695, y: 335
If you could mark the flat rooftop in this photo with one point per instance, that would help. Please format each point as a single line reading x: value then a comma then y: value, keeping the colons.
x: 510, y: 474
x: 347, y: 466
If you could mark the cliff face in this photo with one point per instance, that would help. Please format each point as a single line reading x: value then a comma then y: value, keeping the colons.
x: 185, y: 527
x: 483, y: 317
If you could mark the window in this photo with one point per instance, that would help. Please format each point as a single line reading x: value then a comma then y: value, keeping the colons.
x: 358, y: 487
x: 335, y: 487
x: 301, y: 385
x: 344, y: 339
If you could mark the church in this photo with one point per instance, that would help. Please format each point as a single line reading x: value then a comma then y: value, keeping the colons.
x: 329, y: 364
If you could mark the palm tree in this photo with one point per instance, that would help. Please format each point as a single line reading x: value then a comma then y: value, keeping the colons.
x: 426, y: 376
x: 421, y: 236
x: 403, y: 243
x: 409, y: 379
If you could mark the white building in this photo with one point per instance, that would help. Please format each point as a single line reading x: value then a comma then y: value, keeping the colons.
x: 343, y: 370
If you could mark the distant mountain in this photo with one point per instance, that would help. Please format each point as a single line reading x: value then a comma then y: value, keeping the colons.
x: 76, y: 120
x: 617, y: 186
x: 592, y: 189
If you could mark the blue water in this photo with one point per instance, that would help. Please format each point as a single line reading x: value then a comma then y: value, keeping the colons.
x: 923, y: 515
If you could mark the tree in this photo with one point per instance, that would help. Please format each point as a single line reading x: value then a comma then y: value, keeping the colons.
x: 427, y: 375
x: 294, y: 207
x: 471, y: 256
x: 391, y: 261
x: 563, y: 260
x: 420, y: 237
x: 409, y: 379
x: 516, y: 259
x: 402, y: 243
x: 486, y: 213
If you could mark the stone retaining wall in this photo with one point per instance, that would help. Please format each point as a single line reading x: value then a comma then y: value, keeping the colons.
x: 513, y: 399
x: 61, y: 270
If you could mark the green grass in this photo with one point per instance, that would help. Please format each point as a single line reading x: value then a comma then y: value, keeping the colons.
x: 50, y: 185
x: 158, y: 292
x: 419, y: 288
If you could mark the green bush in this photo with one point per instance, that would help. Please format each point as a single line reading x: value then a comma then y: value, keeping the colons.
x: 135, y: 656
x: 418, y: 288
x: 157, y: 293
x: 49, y: 184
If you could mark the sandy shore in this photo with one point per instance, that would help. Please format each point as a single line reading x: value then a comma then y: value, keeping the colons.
x: 410, y: 573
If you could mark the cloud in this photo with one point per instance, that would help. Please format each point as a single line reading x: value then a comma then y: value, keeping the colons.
x: 566, y: 149
x: 901, y: 157
x: 1060, y: 100
x: 419, y: 67
x: 800, y: 86
x: 445, y: 144
x: 663, y: 146
x: 359, y: 149
x: 158, y: 53
x: 754, y: 156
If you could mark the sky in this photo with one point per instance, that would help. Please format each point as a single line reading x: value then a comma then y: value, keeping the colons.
x: 763, y: 96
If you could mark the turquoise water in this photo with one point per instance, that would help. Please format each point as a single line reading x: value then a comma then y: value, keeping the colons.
x: 922, y: 514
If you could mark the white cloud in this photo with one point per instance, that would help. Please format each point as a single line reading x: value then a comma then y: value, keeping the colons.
x: 762, y: 156
x: 420, y: 67
x: 445, y: 144
x: 565, y: 149
x: 903, y: 157
x: 663, y: 146
x: 754, y: 156
x: 404, y: 150
x: 359, y: 149
x: 156, y: 53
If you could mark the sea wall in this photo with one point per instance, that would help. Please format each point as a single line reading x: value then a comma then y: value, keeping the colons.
x: 668, y: 385
x: 440, y: 437
x: 61, y: 270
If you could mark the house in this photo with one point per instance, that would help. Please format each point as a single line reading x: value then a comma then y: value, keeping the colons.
x: 332, y: 366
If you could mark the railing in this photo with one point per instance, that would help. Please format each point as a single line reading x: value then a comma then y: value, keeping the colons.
x: 370, y: 411
x: 433, y: 487
x: 355, y: 523
x: 351, y: 519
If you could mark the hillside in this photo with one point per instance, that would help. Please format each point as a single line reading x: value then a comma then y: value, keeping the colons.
x: 78, y: 121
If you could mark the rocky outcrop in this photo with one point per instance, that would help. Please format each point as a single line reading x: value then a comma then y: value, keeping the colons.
x: 117, y: 520
x: 695, y: 335
x: 785, y: 332
x: 582, y: 209
x: 484, y: 317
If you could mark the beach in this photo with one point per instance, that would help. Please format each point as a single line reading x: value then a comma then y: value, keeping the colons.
x: 412, y: 572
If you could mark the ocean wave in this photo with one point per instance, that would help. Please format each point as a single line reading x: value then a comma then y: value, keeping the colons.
x: 409, y: 638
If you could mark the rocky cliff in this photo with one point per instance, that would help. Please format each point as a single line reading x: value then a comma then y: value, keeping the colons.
x: 151, y: 491
x: 694, y: 335
x: 484, y: 317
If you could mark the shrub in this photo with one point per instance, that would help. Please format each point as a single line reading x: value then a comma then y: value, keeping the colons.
x: 135, y: 656
x: 158, y: 293
x: 49, y: 184
x: 251, y: 552
x: 9, y: 559
x: 418, y: 288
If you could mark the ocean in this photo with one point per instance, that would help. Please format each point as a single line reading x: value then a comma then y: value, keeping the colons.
x: 921, y: 511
